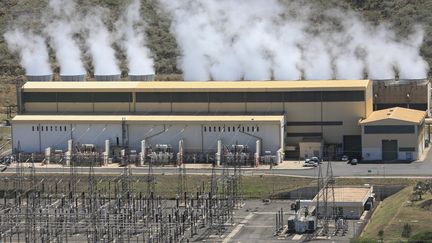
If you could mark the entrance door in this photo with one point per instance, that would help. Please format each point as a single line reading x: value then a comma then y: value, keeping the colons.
x: 389, y: 150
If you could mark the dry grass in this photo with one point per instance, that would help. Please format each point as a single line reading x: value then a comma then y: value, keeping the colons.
x: 396, y: 211
x: 376, y: 181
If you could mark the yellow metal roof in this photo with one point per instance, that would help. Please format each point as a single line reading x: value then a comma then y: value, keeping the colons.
x: 347, y: 194
x: 396, y: 113
x: 184, y: 86
x: 142, y: 118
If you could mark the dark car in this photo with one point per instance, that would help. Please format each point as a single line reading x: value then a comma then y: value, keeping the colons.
x: 354, y: 161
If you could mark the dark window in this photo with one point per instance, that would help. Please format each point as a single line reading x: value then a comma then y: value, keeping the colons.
x: 242, y: 129
x: 219, y: 129
x: 75, y: 97
x: 390, y: 129
x: 33, y: 128
x: 51, y: 129
x: 343, y: 96
x: 60, y: 128
x: 46, y: 128
x: 37, y: 128
x: 65, y: 128
x: 123, y: 97
x: 415, y: 106
x: 315, y: 123
x: 78, y: 97
x: 229, y: 129
x: 408, y: 149
x: 39, y: 97
x: 189, y: 97
x: 214, y: 129
x: 253, y: 129
x: 307, y: 96
x: 153, y: 97
x: 225, y: 97
x: 257, y: 128
x: 55, y: 128
x: 233, y: 129
x: 247, y: 129
x: 209, y: 129
x: 205, y: 129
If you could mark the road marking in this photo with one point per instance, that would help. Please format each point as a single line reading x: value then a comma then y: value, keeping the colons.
x: 297, y: 237
x: 237, y: 228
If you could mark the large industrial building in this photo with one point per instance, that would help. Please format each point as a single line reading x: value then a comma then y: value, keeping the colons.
x: 282, y: 119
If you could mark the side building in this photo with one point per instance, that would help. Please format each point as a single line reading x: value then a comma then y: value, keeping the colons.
x: 394, y: 134
x: 320, y: 117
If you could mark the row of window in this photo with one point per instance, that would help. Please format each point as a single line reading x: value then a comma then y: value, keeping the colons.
x: 49, y: 128
x: 195, y: 97
x: 231, y: 128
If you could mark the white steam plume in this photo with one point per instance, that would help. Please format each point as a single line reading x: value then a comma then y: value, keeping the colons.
x: 130, y: 29
x: 261, y: 40
x: 61, y: 27
x: 99, y: 42
x: 32, y: 50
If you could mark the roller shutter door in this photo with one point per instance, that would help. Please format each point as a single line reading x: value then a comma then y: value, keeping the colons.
x: 389, y: 150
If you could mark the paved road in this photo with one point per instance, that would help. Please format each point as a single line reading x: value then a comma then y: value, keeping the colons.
x: 339, y: 170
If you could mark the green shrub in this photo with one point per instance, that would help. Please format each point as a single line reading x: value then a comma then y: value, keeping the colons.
x: 421, y: 237
x: 406, y: 231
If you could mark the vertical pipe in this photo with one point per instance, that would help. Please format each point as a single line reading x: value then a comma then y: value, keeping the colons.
x: 48, y: 155
x: 429, y: 99
x: 107, y: 152
x: 69, y: 152
x: 258, y: 152
x: 40, y: 138
x: 219, y: 152
x: 180, y: 153
x: 143, y: 152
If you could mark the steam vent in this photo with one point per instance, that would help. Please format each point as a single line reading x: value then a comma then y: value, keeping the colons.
x: 39, y: 78
x: 114, y: 77
x: 149, y: 77
x: 72, y: 78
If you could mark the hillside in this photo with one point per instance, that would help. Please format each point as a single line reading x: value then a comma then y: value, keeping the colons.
x: 402, y: 14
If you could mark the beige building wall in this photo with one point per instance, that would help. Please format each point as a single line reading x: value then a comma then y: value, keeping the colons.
x: 110, y: 107
x: 190, y: 108
x: 265, y: 108
x: 227, y: 108
x: 303, y: 111
x: 372, y: 143
x: 75, y: 107
x: 369, y: 96
x: 347, y: 112
x: 145, y: 108
x: 36, y: 107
